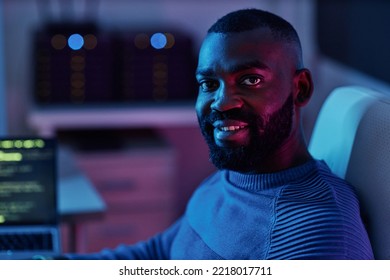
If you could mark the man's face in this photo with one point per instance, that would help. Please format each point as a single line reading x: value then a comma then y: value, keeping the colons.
x: 245, y: 104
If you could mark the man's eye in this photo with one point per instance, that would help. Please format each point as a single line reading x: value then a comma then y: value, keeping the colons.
x: 208, y: 85
x: 251, y: 81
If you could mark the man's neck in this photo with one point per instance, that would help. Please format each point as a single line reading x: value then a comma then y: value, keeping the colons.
x: 292, y: 153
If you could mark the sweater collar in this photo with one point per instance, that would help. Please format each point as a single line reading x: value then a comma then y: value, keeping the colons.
x: 263, y: 181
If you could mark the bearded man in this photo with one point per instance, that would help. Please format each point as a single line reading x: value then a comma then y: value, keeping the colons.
x: 269, y: 198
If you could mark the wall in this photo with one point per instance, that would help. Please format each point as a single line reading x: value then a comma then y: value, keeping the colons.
x: 353, y: 33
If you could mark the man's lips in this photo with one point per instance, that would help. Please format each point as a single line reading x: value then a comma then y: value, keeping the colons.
x: 230, y: 131
x: 229, y: 125
x: 231, y: 128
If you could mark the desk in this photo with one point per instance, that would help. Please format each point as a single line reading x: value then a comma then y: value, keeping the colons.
x: 78, y: 200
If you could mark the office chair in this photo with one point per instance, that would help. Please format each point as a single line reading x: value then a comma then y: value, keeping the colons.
x: 352, y: 135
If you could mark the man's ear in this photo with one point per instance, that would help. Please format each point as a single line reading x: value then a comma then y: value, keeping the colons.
x: 303, y: 85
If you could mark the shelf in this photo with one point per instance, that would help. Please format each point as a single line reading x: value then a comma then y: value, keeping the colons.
x: 46, y: 121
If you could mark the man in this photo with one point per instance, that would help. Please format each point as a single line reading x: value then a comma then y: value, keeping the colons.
x: 270, y: 199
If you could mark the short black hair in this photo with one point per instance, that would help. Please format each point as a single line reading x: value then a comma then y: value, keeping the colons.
x: 249, y: 19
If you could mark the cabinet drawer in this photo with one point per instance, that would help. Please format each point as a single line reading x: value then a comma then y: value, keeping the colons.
x: 137, y: 158
x: 121, y: 186
x: 126, y: 228
x: 130, y: 179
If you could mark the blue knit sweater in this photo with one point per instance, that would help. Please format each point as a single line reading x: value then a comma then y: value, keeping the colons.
x: 300, y: 213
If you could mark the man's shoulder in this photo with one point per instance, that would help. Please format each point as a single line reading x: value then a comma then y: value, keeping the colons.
x: 322, y: 209
x: 213, y: 179
x: 320, y: 184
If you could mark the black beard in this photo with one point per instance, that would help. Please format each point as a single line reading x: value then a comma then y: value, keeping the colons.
x: 247, y: 159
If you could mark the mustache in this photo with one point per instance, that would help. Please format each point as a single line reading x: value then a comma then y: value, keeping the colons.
x: 233, y: 114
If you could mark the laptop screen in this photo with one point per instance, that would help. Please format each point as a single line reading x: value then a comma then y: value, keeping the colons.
x: 28, y: 181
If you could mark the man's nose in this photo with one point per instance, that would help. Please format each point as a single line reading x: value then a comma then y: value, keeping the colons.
x: 226, y: 99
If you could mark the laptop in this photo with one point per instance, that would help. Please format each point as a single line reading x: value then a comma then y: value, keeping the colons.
x: 28, y: 198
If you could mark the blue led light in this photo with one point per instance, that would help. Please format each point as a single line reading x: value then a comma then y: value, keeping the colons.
x: 158, y: 41
x: 75, y: 42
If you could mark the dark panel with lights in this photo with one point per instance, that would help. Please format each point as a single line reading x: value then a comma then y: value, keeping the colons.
x: 158, y: 66
x: 74, y: 64
x: 79, y: 64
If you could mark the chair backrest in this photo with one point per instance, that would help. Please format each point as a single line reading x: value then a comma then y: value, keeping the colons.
x: 352, y: 135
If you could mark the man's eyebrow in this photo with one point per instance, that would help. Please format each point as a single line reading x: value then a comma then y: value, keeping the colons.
x: 248, y: 65
x: 235, y: 68
x: 204, y: 72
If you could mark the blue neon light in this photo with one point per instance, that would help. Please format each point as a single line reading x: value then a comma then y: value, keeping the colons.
x: 75, y: 42
x: 158, y: 40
